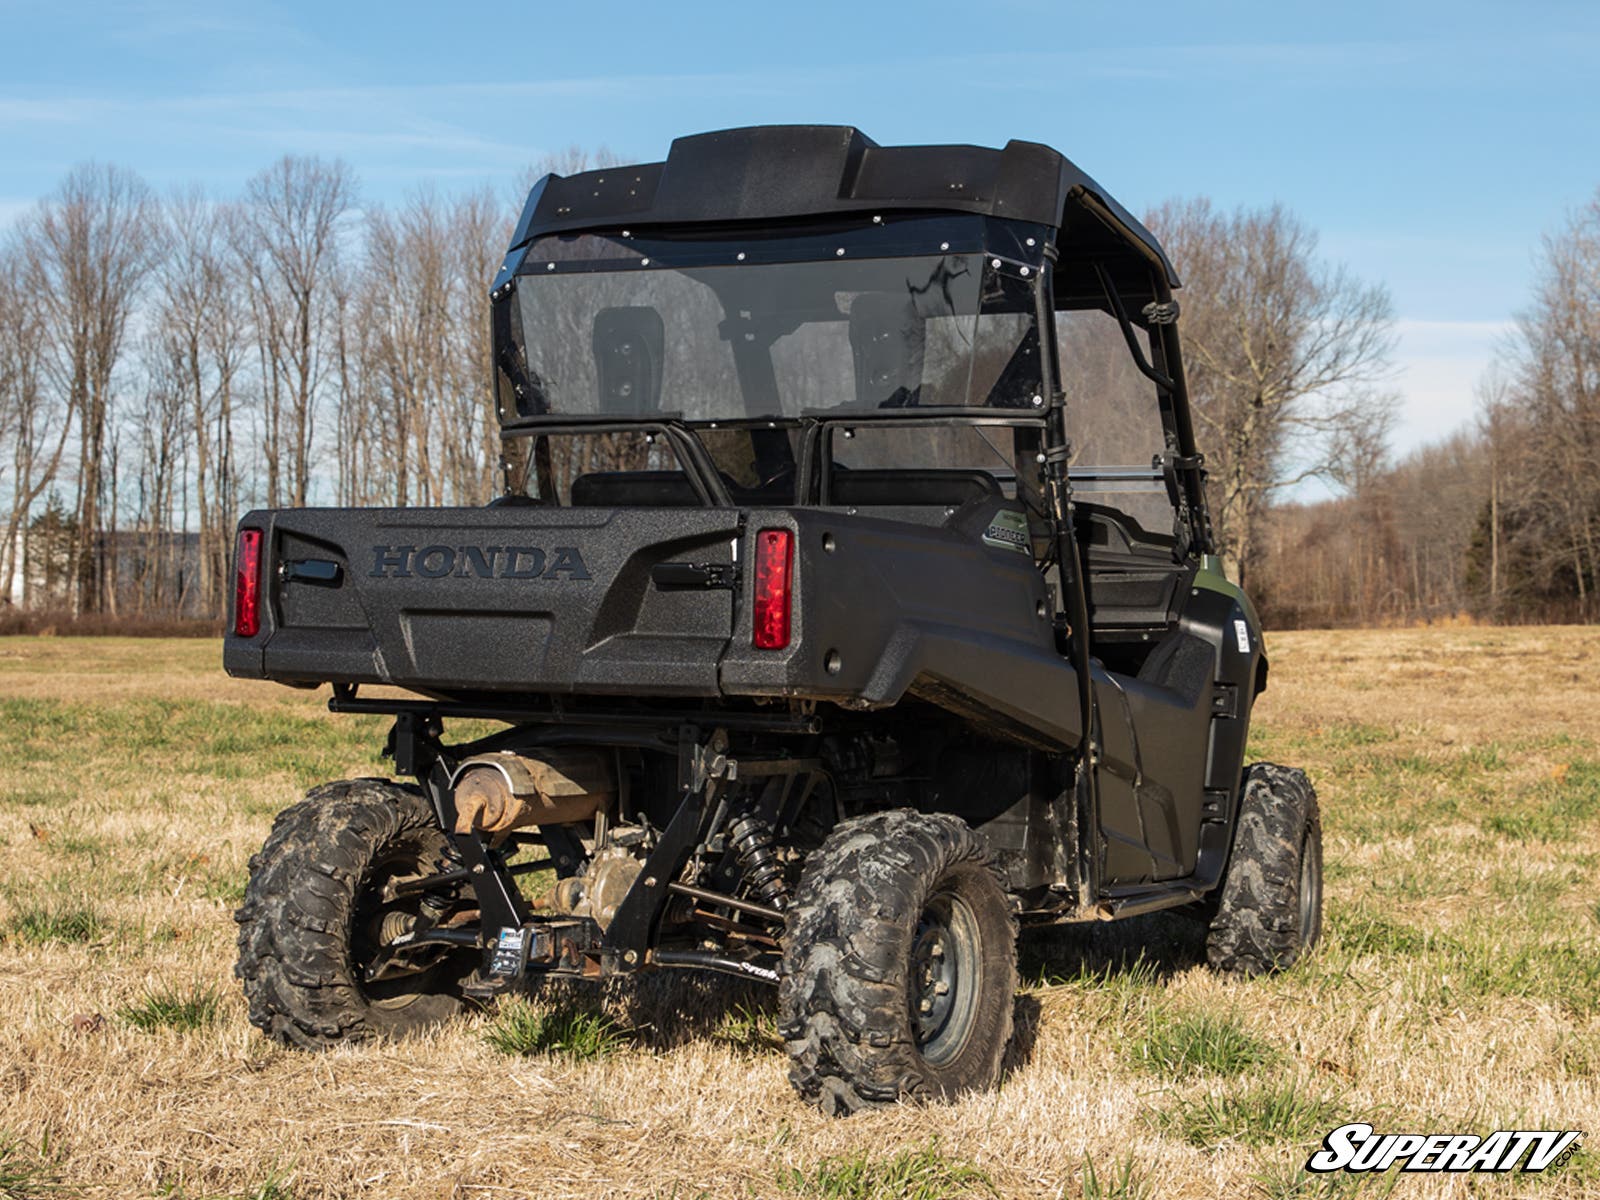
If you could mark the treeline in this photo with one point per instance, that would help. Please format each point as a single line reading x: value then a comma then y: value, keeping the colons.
x: 167, y: 363
x: 1498, y: 522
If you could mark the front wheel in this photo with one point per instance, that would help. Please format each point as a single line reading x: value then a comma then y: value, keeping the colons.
x: 1269, y: 911
x: 318, y: 911
x: 899, y: 965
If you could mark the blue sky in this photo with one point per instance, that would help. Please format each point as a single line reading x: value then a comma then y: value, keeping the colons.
x: 1430, y: 143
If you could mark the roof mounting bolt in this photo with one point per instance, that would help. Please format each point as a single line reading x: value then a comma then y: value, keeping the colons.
x: 1038, y: 401
x: 625, y: 233
x: 849, y: 433
x: 877, y: 220
x: 1030, y: 241
x: 944, y: 245
x: 549, y: 266
x: 1024, y: 270
x: 739, y: 256
x: 995, y: 263
x: 1038, y: 458
x: 644, y: 262
x: 839, y: 252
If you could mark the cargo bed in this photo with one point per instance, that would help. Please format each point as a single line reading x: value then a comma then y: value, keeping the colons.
x: 657, y: 603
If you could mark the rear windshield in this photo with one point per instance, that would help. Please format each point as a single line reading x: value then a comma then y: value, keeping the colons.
x: 629, y: 334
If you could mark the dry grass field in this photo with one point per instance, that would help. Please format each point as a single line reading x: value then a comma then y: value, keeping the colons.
x: 1457, y: 988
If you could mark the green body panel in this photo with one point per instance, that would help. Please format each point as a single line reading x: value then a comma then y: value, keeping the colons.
x: 1213, y: 578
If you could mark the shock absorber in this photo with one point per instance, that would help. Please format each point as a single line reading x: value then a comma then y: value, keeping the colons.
x: 752, y: 842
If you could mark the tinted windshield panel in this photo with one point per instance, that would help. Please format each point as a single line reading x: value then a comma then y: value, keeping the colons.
x: 641, y: 338
x: 1113, y: 411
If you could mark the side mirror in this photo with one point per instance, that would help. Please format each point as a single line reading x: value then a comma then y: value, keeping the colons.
x: 629, y: 347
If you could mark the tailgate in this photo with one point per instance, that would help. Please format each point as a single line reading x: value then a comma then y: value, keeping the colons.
x: 510, y: 599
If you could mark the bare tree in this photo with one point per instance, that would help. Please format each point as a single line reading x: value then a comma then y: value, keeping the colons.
x: 164, y: 434
x: 249, y: 319
x: 1283, y: 353
x: 1545, y: 535
x: 199, y: 313
x: 408, y: 282
x: 90, y: 248
x: 417, y: 322
x: 33, y: 430
x: 479, y: 232
x: 293, y: 214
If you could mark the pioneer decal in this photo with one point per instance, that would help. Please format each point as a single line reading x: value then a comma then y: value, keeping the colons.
x: 477, y: 562
x: 1009, y: 531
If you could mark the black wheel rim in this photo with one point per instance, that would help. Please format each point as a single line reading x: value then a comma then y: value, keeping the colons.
x: 946, y: 977
x: 1310, y: 889
x: 369, y: 935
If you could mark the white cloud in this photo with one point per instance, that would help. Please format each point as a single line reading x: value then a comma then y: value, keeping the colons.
x: 1440, y: 364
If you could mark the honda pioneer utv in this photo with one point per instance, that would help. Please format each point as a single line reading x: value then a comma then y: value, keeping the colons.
x: 850, y: 602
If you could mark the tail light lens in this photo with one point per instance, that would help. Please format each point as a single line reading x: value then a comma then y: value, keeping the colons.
x: 774, y: 575
x: 247, y: 584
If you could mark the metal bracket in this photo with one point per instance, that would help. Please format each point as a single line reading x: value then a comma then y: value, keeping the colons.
x: 702, y: 769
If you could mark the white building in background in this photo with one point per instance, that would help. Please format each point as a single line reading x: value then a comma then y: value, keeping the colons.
x: 19, y: 577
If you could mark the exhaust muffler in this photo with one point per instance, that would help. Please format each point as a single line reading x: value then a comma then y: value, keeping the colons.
x: 496, y: 793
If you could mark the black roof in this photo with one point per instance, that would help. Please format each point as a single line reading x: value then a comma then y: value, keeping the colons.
x: 774, y: 172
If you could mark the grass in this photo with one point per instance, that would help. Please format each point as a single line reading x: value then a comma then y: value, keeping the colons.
x: 1200, y: 1042
x: 275, y: 1186
x: 1125, y: 1181
x: 1259, y: 1114
x: 523, y: 1029
x: 182, y: 1010
x: 1459, y: 973
x: 750, y: 1028
x: 917, y: 1174
x: 1289, y: 1180
x: 24, y: 1174
x: 40, y: 923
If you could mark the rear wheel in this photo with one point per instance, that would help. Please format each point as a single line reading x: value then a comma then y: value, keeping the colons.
x: 316, y: 919
x: 1269, y: 910
x: 899, y: 966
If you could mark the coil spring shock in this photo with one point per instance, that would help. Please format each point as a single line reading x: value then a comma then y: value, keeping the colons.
x: 752, y: 843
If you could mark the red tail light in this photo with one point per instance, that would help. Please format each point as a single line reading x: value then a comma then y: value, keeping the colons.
x: 247, y: 584
x: 774, y: 574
